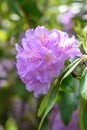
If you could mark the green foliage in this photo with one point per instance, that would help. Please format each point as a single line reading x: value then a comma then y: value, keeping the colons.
x: 68, y: 84
x: 48, y: 102
x: 65, y: 83
x: 3, y: 35
x: 67, y: 105
x: 83, y: 40
x: 30, y: 7
x: 83, y: 84
x: 11, y: 124
x: 70, y: 68
x: 20, y: 90
x: 5, y: 103
x: 83, y: 114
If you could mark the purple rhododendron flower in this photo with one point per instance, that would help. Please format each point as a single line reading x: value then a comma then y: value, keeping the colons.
x: 42, y: 55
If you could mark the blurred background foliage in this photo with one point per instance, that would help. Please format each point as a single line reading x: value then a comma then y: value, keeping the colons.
x: 18, y: 107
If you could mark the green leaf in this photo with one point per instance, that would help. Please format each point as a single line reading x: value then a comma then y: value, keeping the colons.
x: 43, y: 105
x: 45, y: 124
x: 70, y: 68
x: 51, y: 98
x: 44, y: 102
x: 83, y: 114
x: 68, y: 84
x: 83, y: 84
x: 68, y: 104
x: 70, y: 65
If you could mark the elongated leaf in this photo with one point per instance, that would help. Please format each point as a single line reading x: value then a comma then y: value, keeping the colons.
x: 68, y: 104
x: 83, y: 114
x: 71, y: 69
x: 43, y: 105
x: 44, y: 102
x: 75, y: 62
x: 83, y: 84
x: 70, y: 65
x: 68, y: 84
x: 51, y: 99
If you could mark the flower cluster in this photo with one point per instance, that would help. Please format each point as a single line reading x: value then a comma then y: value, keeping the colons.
x: 42, y: 55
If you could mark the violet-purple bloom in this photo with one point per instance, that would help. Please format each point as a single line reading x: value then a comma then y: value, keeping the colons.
x: 42, y: 55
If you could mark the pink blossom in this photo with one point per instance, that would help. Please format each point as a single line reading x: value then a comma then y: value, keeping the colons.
x: 41, y: 57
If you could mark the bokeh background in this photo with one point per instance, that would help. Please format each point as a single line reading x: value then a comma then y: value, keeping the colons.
x: 18, y: 107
